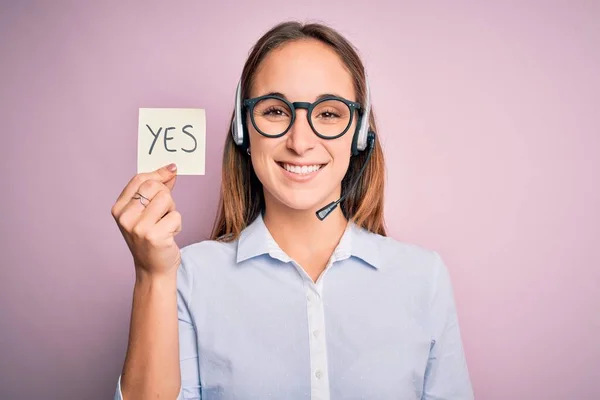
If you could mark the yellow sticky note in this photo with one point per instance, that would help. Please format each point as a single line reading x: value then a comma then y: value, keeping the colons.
x: 172, y: 135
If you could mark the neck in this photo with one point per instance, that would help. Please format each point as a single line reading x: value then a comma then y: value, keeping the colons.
x: 300, y: 233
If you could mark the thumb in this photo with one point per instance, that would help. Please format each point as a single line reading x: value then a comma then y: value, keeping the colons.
x: 171, y: 182
x: 168, y: 175
x: 164, y: 174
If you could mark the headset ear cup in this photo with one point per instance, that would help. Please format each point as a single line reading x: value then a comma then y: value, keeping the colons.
x: 245, y: 135
x: 354, y: 149
x: 237, y: 129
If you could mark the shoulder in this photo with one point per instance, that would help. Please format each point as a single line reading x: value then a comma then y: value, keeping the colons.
x: 419, y: 271
x: 420, y: 268
x: 208, y: 248
x: 206, y: 258
x: 394, y: 253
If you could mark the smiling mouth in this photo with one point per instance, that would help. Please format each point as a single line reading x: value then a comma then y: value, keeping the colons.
x: 300, y: 169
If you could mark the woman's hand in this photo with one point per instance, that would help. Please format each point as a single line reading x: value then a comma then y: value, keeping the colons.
x: 149, y: 223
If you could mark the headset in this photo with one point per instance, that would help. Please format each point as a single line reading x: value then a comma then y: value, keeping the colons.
x: 363, y: 139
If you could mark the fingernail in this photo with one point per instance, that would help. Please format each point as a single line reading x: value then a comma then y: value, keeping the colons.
x: 172, y: 167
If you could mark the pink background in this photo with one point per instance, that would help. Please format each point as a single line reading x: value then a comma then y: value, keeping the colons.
x: 489, y: 116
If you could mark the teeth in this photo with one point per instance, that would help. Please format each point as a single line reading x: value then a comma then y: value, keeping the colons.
x: 300, y: 170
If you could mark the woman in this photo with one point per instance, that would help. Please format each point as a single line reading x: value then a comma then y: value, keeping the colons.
x: 283, y: 303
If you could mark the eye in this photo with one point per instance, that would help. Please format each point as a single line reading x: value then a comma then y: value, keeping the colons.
x: 331, y: 111
x: 328, y: 114
x: 274, y: 112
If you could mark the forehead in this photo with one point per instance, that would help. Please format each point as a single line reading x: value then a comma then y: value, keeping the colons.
x: 302, y: 70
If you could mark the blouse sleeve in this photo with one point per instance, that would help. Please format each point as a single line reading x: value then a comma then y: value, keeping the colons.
x: 446, y: 375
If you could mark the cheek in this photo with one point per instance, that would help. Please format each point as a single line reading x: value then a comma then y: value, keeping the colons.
x: 340, y: 167
x: 340, y: 151
x: 262, y: 144
x: 262, y: 149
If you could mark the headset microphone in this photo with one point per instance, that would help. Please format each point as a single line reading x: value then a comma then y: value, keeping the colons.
x: 325, y: 211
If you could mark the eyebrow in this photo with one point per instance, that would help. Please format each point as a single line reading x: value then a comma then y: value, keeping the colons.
x: 319, y: 97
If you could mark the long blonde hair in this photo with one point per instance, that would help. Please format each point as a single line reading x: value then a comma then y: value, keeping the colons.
x: 242, y: 198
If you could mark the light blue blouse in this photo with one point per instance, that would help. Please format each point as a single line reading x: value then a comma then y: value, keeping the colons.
x: 379, y: 323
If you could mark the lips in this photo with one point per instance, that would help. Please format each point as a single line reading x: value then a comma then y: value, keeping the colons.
x: 299, y: 172
x: 301, y: 169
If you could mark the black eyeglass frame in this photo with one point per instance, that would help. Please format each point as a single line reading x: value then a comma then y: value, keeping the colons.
x: 251, y: 103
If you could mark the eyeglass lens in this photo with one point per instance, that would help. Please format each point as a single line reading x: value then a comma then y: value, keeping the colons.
x: 329, y: 118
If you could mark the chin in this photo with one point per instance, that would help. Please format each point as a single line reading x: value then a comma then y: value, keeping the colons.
x: 306, y: 192
x: 304, y: 200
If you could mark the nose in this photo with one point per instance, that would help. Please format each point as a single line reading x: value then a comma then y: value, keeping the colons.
x: 300, y: 137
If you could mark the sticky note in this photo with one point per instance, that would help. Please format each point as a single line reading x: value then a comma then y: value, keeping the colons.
x: 172, y: 135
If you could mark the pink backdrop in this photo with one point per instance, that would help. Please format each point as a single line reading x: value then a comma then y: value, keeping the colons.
x: 489, y: 116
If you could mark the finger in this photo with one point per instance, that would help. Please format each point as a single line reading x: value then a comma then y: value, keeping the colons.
x: 136, y: 206
x: 163, y: 233
x: 161, y: 204
x: 163, y: 174
x: 171, y: 224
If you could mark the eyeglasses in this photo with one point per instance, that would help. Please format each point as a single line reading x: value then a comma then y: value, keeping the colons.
x: 329, y: 117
